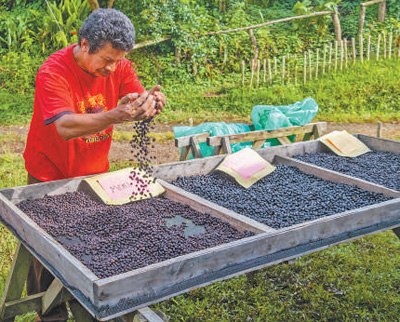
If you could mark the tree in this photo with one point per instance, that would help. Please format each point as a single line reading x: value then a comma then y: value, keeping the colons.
x: 94, y: 4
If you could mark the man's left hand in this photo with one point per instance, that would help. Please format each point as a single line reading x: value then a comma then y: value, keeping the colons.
x: 160, y: 97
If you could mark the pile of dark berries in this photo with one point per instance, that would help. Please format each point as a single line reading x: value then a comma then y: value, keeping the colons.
x: 283, y: 198
x: 140, y: 144
x: 378, y: 167
x: 111, y: 240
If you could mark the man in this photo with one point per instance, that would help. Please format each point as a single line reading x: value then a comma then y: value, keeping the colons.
x: 75, y: 108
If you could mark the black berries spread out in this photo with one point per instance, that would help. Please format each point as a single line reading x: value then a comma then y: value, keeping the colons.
x: 111, y: 240
x: 378, y: 167
x: 285, y: 197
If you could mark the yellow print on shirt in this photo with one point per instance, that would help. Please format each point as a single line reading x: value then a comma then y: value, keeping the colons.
x: 97, y: 137
x: 93, y: 104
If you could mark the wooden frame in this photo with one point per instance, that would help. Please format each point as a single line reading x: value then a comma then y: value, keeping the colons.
x: 157, y: 282
x: 303, y: 133
x: 191, y: 143
x: 381, y: 13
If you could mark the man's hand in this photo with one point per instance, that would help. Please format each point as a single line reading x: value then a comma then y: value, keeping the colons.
x: 134, y: 107
x: 160, y: 97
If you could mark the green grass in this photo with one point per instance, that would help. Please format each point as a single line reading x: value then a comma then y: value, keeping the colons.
x: 125, y: 136
x: 357, y: 281
x: 361, y: 93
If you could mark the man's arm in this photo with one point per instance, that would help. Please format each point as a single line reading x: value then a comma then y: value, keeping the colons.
x: 131, y: 108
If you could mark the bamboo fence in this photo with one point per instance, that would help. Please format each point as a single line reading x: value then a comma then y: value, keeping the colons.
x: 333, y: 57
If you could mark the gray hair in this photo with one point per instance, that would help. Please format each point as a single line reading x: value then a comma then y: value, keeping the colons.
x: 108, y: 25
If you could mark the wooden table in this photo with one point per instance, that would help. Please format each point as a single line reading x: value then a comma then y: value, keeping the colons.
x: 154, y: 283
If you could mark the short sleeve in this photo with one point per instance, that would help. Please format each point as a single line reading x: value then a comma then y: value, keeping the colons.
x: 129, y: 81
x: 54, y: 96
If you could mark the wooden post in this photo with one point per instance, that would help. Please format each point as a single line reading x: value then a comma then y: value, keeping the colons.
x: 178, y: 55
x: 305, y: 67
x: 194, y: 68
x: 258, y: 73
x: 276, y: 66
x: 269, y: 71
x: 283, y: 70
x: 330, y: 56
x: 361, y: 45
x: 353, y: 42
x: 336, y: 24
x: 341, y: 54
x: 336, y: 54
x: 324, y: 63
x: 310, y: 63
x: 295, y: 69
x: 379, y: 132
x: 346, y: 54
x: 384, y: 45
x: 243, y: 66
x: 368, y: 46
x: 288, y: 68
x: 390, y: 44
x: 377, y: 46
x: 254, y: 41
x: 362, y: 19
x: 316, y: 64
x: 252, y: 71
x: 265, y: 70
x: 381, y: 11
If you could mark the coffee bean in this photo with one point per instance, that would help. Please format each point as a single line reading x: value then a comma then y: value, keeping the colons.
x: 112, y: 240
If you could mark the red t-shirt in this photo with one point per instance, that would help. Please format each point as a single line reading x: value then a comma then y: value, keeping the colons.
x: 63, y: 87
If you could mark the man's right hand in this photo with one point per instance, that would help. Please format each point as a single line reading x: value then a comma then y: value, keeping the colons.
x: 132, y: 107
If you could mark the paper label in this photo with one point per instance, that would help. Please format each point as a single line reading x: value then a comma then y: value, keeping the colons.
x: 344, y: 144
x: 122, y: 186
x: 245, y: 167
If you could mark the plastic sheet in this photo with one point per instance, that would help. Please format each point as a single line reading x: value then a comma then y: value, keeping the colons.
x: 214, y: 128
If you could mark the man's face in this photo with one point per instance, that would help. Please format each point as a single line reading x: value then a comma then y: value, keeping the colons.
x: 103, y: 62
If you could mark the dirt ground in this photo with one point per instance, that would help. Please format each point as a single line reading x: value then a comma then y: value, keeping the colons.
x: 13, y: 138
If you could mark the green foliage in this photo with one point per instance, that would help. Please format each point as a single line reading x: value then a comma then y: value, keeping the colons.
x: 15, y: 108
x: 69, y: 15
x: 18, y: 72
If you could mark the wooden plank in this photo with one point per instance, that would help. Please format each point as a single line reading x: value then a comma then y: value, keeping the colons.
x: 317, y: 130
x: 39, y: 190
x: 184, y: 153
x: 368, y: 3
x: 17, y: 276
x: 217, y: 149
x: 195, y: 147
x: 22, y: 306
x: 258, y: 144
x: 226, y: 145
x: 397, y: 231
x: 185, y: 140
x: 263, y: 135
x: 337, y: 177
x: 150, y: 315
x: 202, y: 205
x: 79, y: 312
x: 53, y: 296
x: 380, y: 144
x: 284, y: 140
